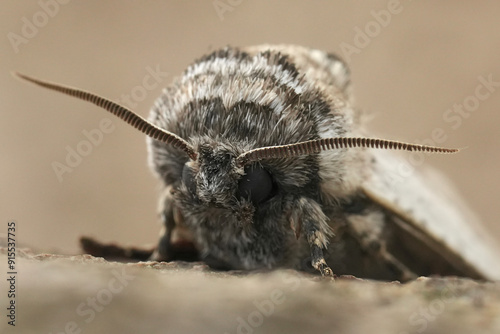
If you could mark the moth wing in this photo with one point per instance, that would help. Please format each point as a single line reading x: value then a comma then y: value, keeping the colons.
x: 324, y: 69
x: 427, y: 211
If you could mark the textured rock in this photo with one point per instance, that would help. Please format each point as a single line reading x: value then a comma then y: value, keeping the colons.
x: 83, y: 294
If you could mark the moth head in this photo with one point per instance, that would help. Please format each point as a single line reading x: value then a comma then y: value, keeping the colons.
x: 216, y: 179
x: 219, y: 175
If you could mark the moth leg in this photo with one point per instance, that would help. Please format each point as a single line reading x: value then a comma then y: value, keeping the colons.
x: 368, y: 231
x: 113, y: 251
x: 167, y: 216
x: 317, y: 258
x: 404, y: 273
x: 175, y: 240
x: 309, y: 218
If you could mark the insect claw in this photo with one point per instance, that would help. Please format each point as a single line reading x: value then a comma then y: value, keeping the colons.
x: 318, y: 262
x: 326, y: 271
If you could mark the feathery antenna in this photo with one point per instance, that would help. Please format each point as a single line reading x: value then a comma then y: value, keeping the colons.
x: 318, y: 145
x: 121, y: 112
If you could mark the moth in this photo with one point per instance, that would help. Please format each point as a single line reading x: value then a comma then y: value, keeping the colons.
x: 264, y: 163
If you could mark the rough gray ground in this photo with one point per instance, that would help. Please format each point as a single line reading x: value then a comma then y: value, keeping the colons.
x: 83, y: 294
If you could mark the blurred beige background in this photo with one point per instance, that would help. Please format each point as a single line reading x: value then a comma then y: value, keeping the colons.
x: 414, y: 68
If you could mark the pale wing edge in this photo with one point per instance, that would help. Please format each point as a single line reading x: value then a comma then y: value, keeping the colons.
x: 433, y: 211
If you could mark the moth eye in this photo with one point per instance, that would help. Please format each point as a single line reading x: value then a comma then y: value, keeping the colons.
x: 188, y: 179
x: 256, y: 185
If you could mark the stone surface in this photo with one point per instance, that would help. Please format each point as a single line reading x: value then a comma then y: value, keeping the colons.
x: 83, y: 294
